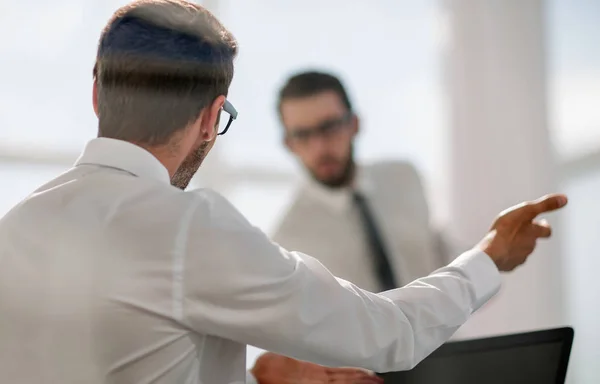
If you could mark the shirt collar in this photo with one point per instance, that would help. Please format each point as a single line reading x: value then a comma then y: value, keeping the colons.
x: 339, y: 199
x: 125, y: 156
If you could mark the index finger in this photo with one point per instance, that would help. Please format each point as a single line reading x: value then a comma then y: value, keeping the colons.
x: 529, y: 211
x: 547, y: 203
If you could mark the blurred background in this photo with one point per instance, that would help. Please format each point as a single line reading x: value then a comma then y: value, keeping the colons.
x: 495, y: 102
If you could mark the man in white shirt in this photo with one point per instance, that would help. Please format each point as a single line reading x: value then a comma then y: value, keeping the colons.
x: 110, y: 274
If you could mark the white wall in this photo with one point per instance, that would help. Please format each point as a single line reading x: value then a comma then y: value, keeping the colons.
x: 501, y: 153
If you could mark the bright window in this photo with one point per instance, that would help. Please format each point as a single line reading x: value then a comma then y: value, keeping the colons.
x: 574, y: 74
x: 19, y: 180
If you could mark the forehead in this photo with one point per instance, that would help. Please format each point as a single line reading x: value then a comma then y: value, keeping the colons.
x: 310, y: 111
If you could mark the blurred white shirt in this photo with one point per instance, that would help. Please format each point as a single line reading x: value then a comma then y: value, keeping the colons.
x: 108, y: 274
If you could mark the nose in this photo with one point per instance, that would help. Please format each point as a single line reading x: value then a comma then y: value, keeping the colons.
x: 319, y: 142
x: 318, y: 146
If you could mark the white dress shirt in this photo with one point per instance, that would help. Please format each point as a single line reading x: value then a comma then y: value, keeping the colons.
x: 108, y: 274
x: 326, y: 224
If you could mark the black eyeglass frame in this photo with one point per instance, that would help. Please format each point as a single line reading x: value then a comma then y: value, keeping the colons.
x: 321, y: 128
x: 233, y: 113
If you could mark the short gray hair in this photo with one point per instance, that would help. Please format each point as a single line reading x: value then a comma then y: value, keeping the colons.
x: 159, y: 64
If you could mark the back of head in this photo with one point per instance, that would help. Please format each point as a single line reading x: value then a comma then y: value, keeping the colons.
x: 159, y: 63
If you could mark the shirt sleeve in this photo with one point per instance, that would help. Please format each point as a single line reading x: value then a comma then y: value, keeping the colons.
x: 239, y: 285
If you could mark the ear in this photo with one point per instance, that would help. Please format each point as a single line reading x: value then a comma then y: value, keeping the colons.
x: 288, y: 144
x: 95, y: 97
x: 355, y: 125
x: 208, y: 119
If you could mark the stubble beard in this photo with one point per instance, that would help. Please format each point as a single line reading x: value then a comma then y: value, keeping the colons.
x: 184, y: 174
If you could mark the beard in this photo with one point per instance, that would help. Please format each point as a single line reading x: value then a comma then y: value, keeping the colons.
x: 186, y: 171
x: 340, y: 180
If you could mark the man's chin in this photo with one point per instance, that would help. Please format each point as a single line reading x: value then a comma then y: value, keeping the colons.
x: 334, y: 178
x: 331, y: 181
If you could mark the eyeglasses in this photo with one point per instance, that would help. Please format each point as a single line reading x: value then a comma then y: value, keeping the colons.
x: 230, y: 109
x: 325, y: 129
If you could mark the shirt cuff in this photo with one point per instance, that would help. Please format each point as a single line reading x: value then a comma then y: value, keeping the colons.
x: 482, y: 272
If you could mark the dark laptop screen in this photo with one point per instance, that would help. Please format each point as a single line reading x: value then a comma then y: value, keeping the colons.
x: 473, y: 362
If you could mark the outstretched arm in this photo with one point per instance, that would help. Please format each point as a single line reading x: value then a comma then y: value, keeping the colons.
x: 241, y: 286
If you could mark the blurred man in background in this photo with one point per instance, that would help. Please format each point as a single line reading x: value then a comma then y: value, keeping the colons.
x: 368, y: 224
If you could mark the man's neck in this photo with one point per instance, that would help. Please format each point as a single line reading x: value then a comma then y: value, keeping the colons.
x: 170, y: 160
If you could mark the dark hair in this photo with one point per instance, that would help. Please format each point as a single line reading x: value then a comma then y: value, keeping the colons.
x: 159, y: 64
x: 310, y: 83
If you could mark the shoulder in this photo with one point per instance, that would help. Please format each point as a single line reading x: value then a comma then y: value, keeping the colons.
x: 398, y: 186
x: 185, y: 214
x: 216, y: 212
x: 392, y: 168
x: 394, y: 173
x: 221, y: 242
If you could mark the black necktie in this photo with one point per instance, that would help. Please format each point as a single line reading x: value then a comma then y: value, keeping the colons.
x: 380, y: 257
